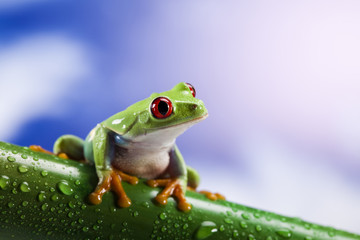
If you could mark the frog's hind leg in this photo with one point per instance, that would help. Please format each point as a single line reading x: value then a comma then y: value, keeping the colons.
x: 70, y: 145
x: 193, y: 183
x: 193, y: 178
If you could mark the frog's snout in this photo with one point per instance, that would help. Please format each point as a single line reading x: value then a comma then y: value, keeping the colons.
x: 198, y: 109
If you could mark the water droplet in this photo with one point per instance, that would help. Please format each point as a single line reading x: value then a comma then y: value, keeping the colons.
x: 163, y: 228
x: 251, y: 237
x: 44, y: 173
x: 258, y: 228
x: 41, y: 196
x: 257, y: 215
x: 284, y: 233
x: 55, y: 197
x: 4, y: 182
x: 14, y: 151
x: 36, y: 159
x: 146, y: 204
x: 136, y: 213
x: 11, y: 159
x: 176, y: 225
x: 308, y: 238
x: 163, y: 216
x: 185, y: 226
x: 235, y: 233
x: 222, y: 228
x: 77, y: 182
x: 228, y: 220
x: 65, y: 188
x: 307, y: 226
x: 81, y: 220
x: 96, y: 227
x: 44, y: 206
x: 85, y: 229
x: 11, y: 204
x: 24, y: 156
x: 22, y: 217
x: 25, y: 203
x: 245, y: 216
x: 70, y: 214
x: 243, y: 224
x: 71, y: 204
x: 23, y: 169
x: 24, y: 187
x: 205, y: 230
x: 331, y: 233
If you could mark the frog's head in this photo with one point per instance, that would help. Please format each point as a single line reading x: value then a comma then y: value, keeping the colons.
x: 161, y: 117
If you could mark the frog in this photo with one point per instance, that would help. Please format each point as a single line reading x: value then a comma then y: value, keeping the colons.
x: 140, y: 142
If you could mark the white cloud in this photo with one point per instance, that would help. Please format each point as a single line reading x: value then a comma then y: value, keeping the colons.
x: 289, y: 181
x: 285, y: 181
x: 35, y: 72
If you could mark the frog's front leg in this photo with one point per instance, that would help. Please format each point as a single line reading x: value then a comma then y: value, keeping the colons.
x: 172, y: 187
x: 176, y: 184
x: 110, y: 178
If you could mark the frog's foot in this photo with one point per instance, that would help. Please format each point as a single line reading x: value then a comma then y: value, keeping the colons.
x: 212, y: 196
x: 38, y: 148
x: 209, y: 195
x: 173, y: 187
x: 113, y: 181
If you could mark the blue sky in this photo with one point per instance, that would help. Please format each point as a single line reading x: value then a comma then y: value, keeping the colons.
x: 280, y: 80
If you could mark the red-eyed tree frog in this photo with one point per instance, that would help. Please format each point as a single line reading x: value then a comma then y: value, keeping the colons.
x: 140, y: 142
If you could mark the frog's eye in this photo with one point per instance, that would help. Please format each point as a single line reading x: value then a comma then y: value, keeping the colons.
x: 161, y: 107
x: 192, y: 89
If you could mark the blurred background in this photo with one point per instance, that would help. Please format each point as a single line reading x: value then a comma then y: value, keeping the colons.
x: 281, y: 81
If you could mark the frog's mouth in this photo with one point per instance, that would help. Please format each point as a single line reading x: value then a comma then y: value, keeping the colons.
x: 164, y: 137
x: 184, y: 122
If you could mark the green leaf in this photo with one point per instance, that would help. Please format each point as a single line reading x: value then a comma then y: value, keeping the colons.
x: 45, y: 197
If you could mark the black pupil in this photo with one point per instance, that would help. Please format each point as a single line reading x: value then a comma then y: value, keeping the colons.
x: 163, y: 107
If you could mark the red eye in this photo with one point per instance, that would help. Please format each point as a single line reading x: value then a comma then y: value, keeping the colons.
x: 161, y: 107
x: 192, y: 89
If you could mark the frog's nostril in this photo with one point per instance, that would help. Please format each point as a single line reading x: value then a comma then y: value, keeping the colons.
x: 194, y: 106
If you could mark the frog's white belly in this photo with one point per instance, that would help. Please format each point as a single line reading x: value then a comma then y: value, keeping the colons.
x: 141, y: 163
x: 147, y: 155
